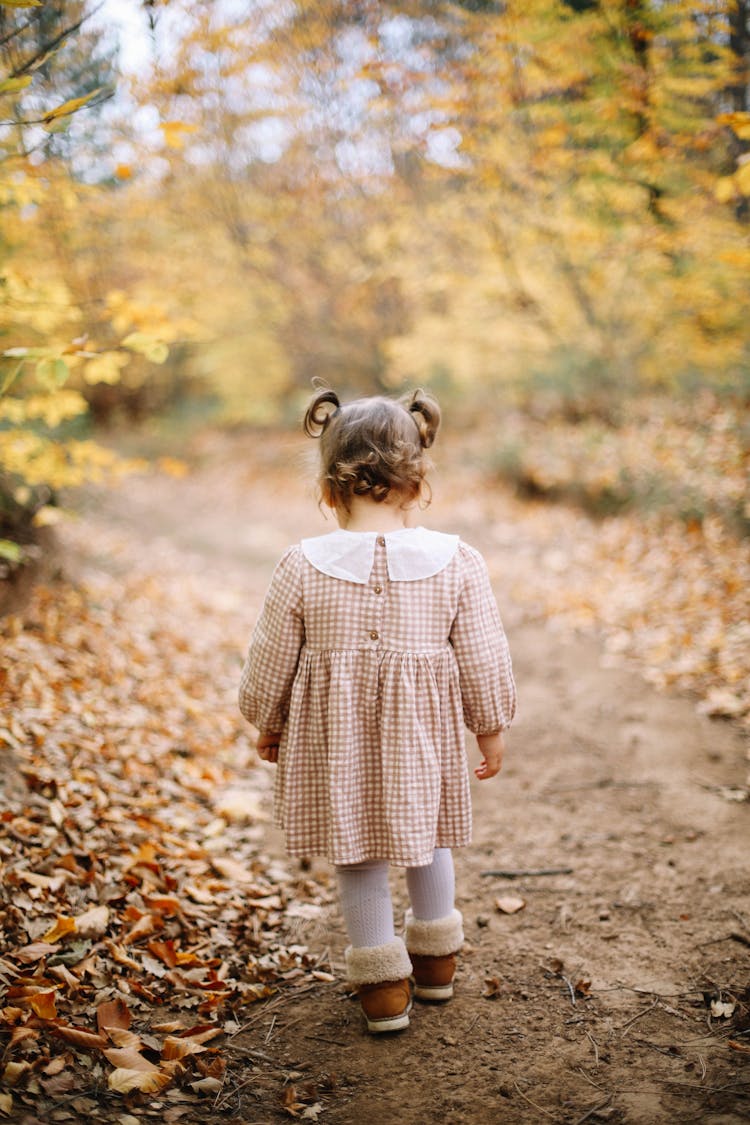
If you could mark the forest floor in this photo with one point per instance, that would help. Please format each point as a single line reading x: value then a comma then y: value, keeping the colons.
x: 161, y: 959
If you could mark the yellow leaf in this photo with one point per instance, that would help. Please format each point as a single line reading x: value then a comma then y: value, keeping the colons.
x: 21, y: 3
x: 48, y: 516
x: 742, y: 178
x: 70, y: 106
x: 62, y: 927
x: 173, y: 467
x: 105, y: 368
x: 123, y: 171
x: 52, y: 373
x: 738, y: 122
x: 153, y: 349
x: 6, y: 1104
x: 13, y: 85
x: 724, y: 189
x: 174, y: 133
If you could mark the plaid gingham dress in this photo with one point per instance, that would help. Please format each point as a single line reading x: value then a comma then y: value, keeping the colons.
x: 370, y: 683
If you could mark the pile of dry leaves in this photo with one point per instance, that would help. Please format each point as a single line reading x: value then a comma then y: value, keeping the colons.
x: 132, y: 879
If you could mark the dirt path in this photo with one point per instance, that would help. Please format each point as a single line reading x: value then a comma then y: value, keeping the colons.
x: 588, y: 1003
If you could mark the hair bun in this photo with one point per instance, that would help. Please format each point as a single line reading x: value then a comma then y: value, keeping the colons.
x: 426, y: 414
x: 318, y: 415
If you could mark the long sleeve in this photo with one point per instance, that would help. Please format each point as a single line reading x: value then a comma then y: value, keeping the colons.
x: 273, y: 655
x: 488, y: 690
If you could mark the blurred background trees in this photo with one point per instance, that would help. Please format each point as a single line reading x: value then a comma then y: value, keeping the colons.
x: 539, y: 209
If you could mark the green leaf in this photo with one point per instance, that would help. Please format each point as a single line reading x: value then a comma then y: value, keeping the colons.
x: 10, y: 551
x: 52, y: 373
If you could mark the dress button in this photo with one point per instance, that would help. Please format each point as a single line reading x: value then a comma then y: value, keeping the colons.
x: 377, y: 589
x: 374, y: 636
x: 381, y: 541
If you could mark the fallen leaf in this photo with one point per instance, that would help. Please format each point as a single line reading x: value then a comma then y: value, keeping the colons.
x: 151, y: 1081
x: 34, y: 952
x: 722, y: 1009
x: 510, y: 904
x: 233, y: 870
x: 43, y: 1004
x: 13, y: 1072
x: 207, y: 1086
x: 92, y: 923
x: 111, y: 1014
x: 79, y: 1037
x: 62, y: 928
x: 492, y: 988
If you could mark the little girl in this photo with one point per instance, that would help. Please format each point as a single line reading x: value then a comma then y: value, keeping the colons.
x: 376, y: 643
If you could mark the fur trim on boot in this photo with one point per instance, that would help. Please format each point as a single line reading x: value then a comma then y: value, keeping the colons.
x: 372, y: 964
x: 436, y: 938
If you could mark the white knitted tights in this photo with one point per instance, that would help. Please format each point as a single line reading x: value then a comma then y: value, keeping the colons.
x: 366, y: 898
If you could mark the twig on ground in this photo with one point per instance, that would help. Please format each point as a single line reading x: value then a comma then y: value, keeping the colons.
x: 270, y: 1030
x: 544, y: 1111
x: 323, y: 1039
x: 594, y: 1109
x: 593, y: 1043
x: 639, y: 1015
x: 590, y: 1080
x: 523, y: 873
x: 571, y: 990
x: 742, y: 921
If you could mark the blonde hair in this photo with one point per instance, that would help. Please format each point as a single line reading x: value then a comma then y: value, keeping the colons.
x: 373, y: 446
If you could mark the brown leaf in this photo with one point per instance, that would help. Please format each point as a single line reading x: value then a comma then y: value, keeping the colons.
x: 43, y: 1004
x: 178, y: 1048
x: 128, y: 1058
x: 79, y: 1037
x: 56, y: 1065
x: 143, y: 927
x: 121, y: 1037
x: 163, y: 904
x: 92, y: 923
x: 13, y: 1072
x: 123, y: 1080
x: 232, y: 870
x: 492, y: 988
x: 113, y: 1013
x: 34, y: 952
x: 59, y: 1084
x: 165, y: 951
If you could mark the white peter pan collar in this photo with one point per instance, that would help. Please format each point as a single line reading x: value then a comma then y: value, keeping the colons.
x: 411, y: 553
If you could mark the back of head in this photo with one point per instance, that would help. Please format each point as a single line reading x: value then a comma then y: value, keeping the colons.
x: 372, y: 447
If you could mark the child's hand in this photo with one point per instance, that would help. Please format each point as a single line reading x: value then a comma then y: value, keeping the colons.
x: 268, y: 746
x: 492, y: 748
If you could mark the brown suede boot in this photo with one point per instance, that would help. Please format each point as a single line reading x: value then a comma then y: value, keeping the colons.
x: 433, y: 976
x: 432, y: 948
x: 380, y: 974
x: 385, y: 1005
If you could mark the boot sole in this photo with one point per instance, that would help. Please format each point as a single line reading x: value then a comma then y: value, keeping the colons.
x: 433, y: 991
x: 388, y: 1023
x: 395, y: 1024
